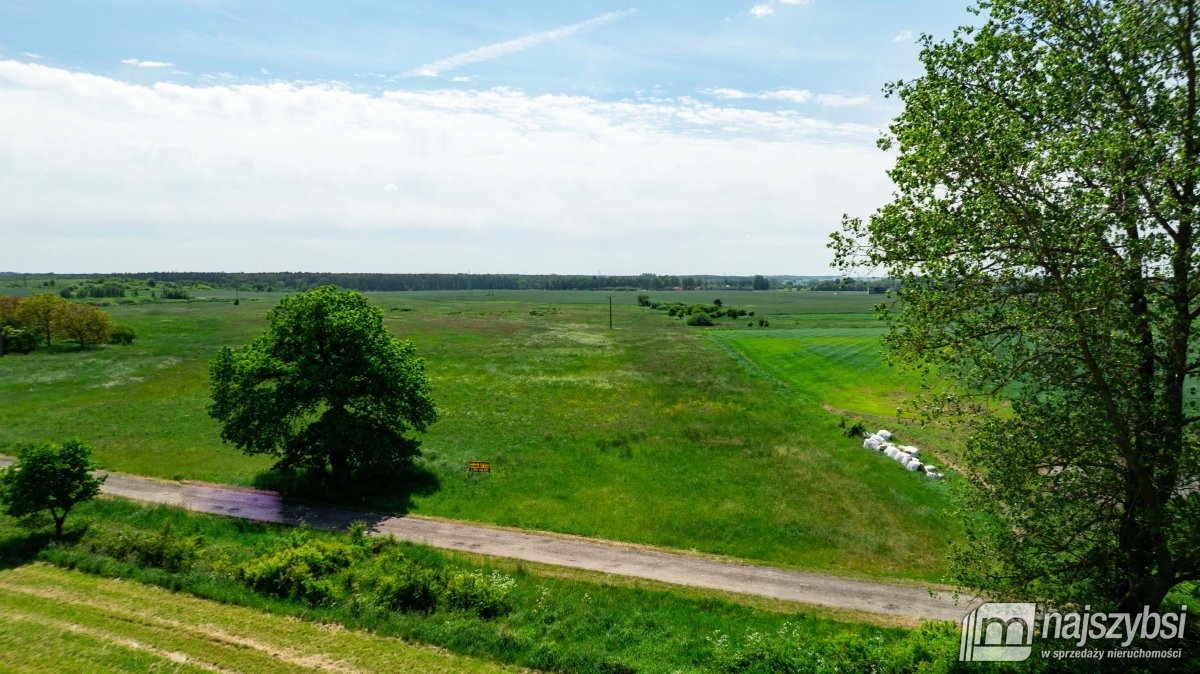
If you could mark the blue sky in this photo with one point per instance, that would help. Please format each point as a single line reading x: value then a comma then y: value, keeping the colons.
x: 698, y: 137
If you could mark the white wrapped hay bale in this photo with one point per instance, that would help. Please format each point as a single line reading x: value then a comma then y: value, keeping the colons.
x: 910, y: 449
x: 912, y: 465
x: 871, y: 443
x: 885, y: 434
x: 934, y: 475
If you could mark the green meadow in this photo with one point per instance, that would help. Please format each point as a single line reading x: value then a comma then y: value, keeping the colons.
x: 546, y: 619
x: 52, y: 619
x: 840, y: 365
x: 654, y: 432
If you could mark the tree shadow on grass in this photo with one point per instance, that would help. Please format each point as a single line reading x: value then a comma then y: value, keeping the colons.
x: 20, y: 547
x: 389, y: 493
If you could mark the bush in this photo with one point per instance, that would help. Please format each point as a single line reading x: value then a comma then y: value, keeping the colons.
x: 700, y: 318
x: 165, y: 550
x: 854, y: 430
x: 19, y: 341
x: 123, y: 334
x: 175, y: 293
x: 412, y: 588
x: 300, y: 571
x: 643, y: 300
x: 486, y: 595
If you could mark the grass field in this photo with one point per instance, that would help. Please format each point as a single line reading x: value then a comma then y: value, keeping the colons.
x: 651, y: 432
x: 52, y: 619
x: 840, y: 366
x: 555, y: 619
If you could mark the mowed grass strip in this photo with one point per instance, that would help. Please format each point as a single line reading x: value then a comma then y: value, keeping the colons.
x: 839, y: 366
x: 52, y: 619
x: 649, y: 433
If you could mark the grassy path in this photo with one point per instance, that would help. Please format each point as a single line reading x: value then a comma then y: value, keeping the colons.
x: 56, y: 620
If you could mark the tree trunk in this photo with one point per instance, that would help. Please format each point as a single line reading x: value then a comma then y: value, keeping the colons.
x: 1146, y: 560
x: 58, y: 526
x: 340, y: 465
x: 1147, y: 591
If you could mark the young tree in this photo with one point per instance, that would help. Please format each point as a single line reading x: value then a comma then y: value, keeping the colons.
x: 83, y: 323
x: 1044, y: 227
x: 8, y: 318
x: 326, y: 384
x: 49, y: 477
x: 40, y: 312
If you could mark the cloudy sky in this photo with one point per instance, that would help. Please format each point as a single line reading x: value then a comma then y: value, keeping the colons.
x: 537, y: 137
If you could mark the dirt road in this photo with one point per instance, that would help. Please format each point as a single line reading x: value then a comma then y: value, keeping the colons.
x: 592, y: 554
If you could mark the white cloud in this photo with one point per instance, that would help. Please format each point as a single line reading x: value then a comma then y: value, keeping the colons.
x: 499, y: 49
x: 768, y: 8
x: 726, y: 93
x: 138, y: 63
x: 903, y: 36
x: 288, y: 176
x: 837, y: 100
x: 32, y: 55
x: 789, y: 95
x: 799, y: 96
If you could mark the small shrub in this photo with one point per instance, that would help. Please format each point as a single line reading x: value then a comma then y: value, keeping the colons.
x: 700, y: 318
x: 165, y: 549
x: 300, y: 571
x: 854, y: 430
x: 19, y: 341
x: 643, y: 300
x: 487, y: 595
x: 123, y: 334
x: 411, y: 588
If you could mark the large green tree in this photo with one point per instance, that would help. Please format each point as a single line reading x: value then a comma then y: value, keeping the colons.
x: 325, y: 385
x: 1044, y: 228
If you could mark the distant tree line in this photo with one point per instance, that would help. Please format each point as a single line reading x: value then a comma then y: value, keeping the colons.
x: 860, y: 285
x: 122, y: 289
x: 698, y: 314
x: 287, y: 281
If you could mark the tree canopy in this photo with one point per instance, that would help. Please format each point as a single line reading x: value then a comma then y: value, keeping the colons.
x: 1043, y: 229
x: 49, y: 477
x: 325, y: 385
x: 83, y: 323
x: 40, y: 313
